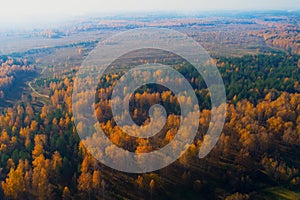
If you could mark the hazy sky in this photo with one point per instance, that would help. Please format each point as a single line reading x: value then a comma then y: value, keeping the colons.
x: 35, y: 10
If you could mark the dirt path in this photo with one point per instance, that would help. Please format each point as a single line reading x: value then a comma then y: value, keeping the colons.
x: 34, y: 90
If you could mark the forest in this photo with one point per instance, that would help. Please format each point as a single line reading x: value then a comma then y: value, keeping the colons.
x: 11, y: 71
x: 256, y: 157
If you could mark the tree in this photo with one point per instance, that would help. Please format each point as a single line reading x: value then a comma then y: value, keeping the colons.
x: 85, y: 180
x: 14, y: 185
x: 39, y: 141
x: 56, y: 160
x: 139, y: 181
x: 152, y: 184
x: 96, y: 181
x: 66, y: 194
x: 40, y: 179
x: 237, y: 196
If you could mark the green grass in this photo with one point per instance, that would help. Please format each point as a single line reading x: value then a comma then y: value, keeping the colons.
x: 281, y: 193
